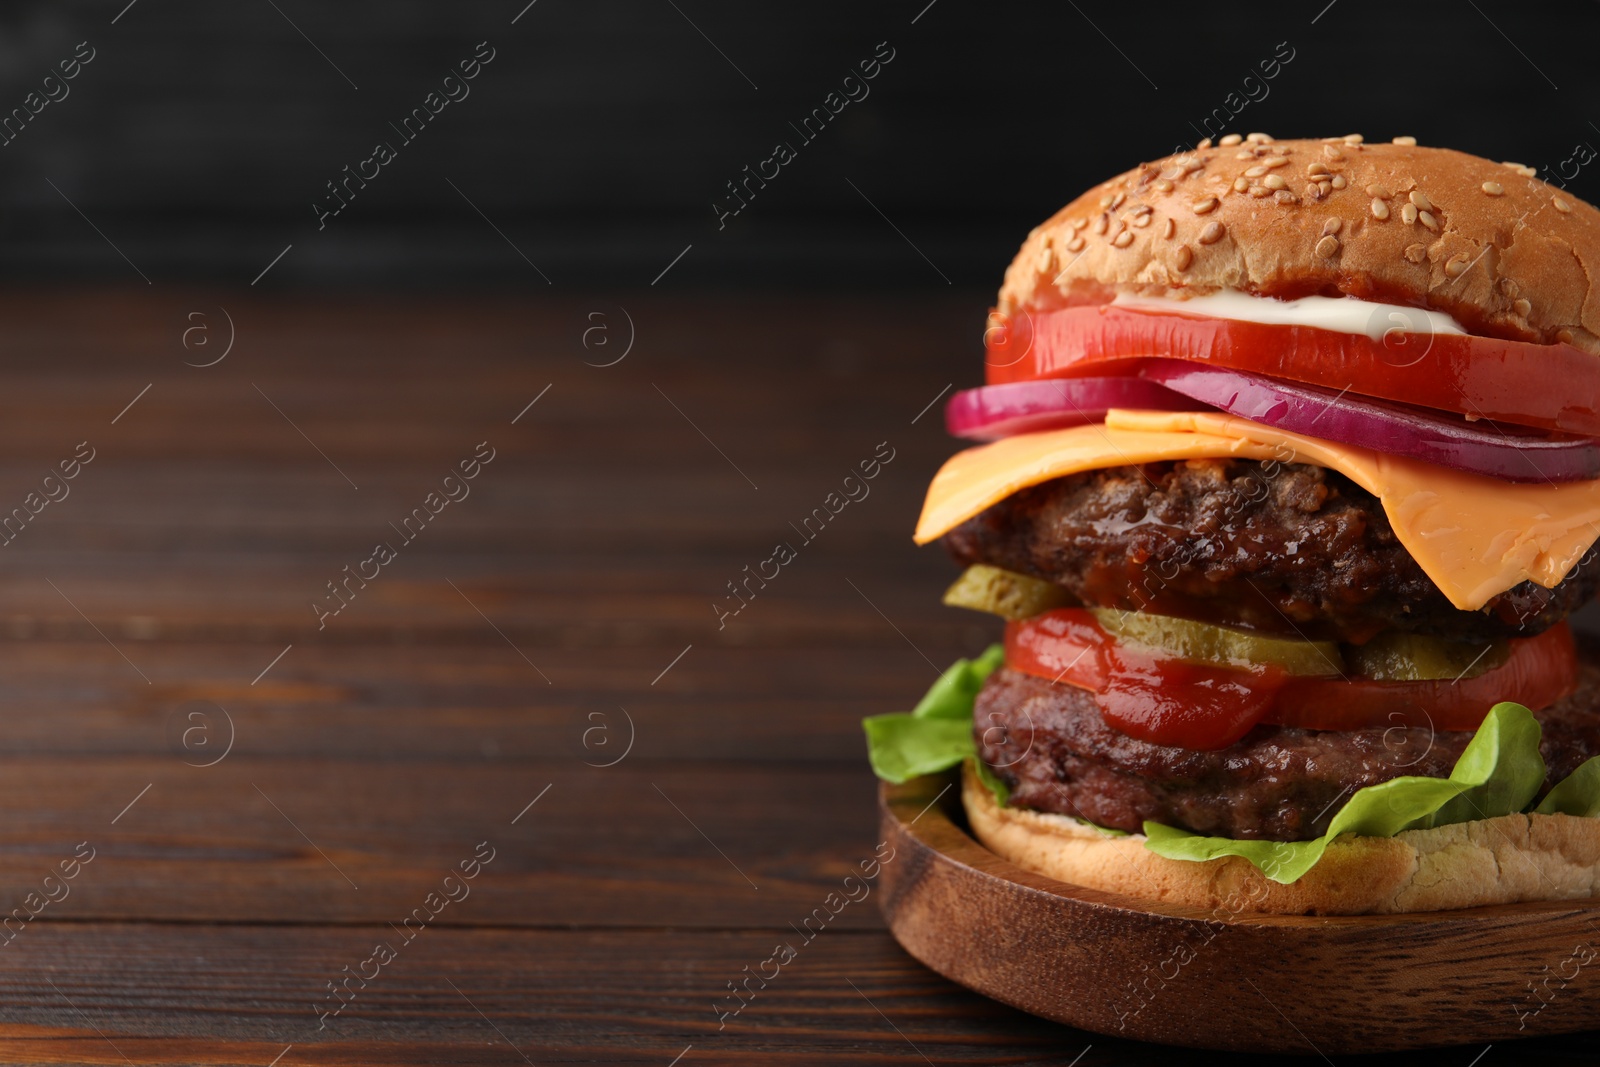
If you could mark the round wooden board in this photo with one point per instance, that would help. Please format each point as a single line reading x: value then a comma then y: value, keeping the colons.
x: 1248, y: 983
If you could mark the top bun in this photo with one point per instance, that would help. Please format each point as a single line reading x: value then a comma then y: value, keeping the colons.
x: 1503, y: 252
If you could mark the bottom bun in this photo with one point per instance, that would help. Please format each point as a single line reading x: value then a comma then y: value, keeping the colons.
x: 1503, y: 860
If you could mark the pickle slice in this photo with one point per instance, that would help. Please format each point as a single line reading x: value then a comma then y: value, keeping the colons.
x: 1199, y: 642
x: 1005, y: 593
x: 1397, y: 657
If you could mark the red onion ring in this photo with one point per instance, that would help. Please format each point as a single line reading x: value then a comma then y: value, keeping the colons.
x: 996, y: 411
x: 1479, y: 448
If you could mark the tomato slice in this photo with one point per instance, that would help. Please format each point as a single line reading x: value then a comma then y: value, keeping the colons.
x: 1480, y: 377
x: 1539, y: 671
x: 1157, y: 698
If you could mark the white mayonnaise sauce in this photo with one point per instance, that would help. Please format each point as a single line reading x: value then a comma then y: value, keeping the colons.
x: 1341, y: 314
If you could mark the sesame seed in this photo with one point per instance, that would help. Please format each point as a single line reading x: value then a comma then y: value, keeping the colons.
x: 1339, y: 182
x: 1565, y: 336
x: 1522, y: 308
x: 1332, y: 153
x: 1259, y: 191
x: 1561, y: 205
x: 1255, y: 172
x: 1171, y: 228
x: 1493, y: 188
x: 1143, y: 218
x: 1212, y: 233
x: 1352, y: 138
x: 1240, y: 185
x: 1408, y: 214
x: 1457, y: 264
x: 1422, y: 202
x: 1185, y: 257
x: 1117, y: 200
x: 1172, y: 174
x: 1191, y: 165
x: 1324, y: 186
x: 1274, y: 181
x: 1380, y: 210
x: 1416, y: 253
x: 1044, y: 259
x: 1427, y: 219
x: 1246, y: 154
x: 1259, y: 138
x: 1123, y: 239
x: 1230, y: 140
x: 1274, y: 162
x: 1209, y: 204
x: 1332, y: 226
x: 1379, y: 191
x: 1317, y: 168
x: 1075, y: 245
x: 1101, y: 225
x: 1205, y: 143
x: 1105, y: 202
x: 1409, y: 142
x: 1314, y: 191
x: 1164, y: 186
x: 1284, y: 196
x: 1328, y: 247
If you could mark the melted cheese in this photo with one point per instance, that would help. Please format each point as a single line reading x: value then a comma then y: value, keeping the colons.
x: 1474, y: 536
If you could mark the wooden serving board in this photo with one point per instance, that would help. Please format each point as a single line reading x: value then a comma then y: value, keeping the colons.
x: 1243, y: 982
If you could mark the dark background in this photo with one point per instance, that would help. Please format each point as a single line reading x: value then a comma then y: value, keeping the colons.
x: 597, y: 140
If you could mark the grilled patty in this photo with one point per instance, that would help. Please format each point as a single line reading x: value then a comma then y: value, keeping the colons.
x: 1290, y: 548
x: 1049, y: 743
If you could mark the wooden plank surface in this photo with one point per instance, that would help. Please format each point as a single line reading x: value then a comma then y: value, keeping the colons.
x: 264, y: 798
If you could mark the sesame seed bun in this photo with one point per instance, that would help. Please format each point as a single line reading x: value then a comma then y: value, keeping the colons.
x: 1505, y: 860
x: 1503, y: 252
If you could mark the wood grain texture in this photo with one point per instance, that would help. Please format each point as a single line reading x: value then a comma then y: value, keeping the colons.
x: 383, y: 747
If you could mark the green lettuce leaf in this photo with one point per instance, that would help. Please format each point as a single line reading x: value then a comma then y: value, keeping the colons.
x: 902, y: 747
x: 1576, y: 794
x: 1501, y: 766
x: 1001, y: 791
x: 1499, y: 773
x: 952, y: 696
x: 937, y: 734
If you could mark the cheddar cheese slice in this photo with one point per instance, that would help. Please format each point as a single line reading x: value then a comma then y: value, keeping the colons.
x: 1474, y: 536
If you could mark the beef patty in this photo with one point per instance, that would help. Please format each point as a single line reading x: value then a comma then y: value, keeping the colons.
x: 1049, y: 743
x: 1291, y: 548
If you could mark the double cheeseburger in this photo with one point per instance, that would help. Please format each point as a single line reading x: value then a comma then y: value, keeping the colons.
x: 1289, y: 479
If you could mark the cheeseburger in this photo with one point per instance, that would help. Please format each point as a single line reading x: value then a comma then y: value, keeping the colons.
x: 1287, y: 479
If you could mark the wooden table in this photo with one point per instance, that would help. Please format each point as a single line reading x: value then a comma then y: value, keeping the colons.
x: 265, y: 802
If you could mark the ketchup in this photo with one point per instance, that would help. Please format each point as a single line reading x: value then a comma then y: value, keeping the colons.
x: 1166, y: 701
x: 1153, y: 696
x: 1141, y: 692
